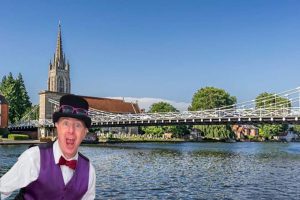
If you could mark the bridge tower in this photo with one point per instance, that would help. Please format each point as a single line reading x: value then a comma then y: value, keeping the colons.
x: 59, y: 69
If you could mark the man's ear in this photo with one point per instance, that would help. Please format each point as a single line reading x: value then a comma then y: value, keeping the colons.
x: 56, y: 124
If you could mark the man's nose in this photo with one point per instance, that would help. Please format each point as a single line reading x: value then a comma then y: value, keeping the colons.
x: 71, y: 128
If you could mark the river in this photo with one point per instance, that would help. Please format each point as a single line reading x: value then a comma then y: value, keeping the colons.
x: 189, y: 170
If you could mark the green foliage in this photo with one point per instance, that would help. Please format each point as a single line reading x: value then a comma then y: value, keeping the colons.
x: 211, y: 97
x: 18, y: 137
x: 158, y: 131
x: 32, y: 112
x: 178, y: 131
x: 272, y: 102
x: 296, y: 128
x: 251, y: 137
x: 162, y: 107
x: 15, y: 93
x: 110, y: 136
x: 154, y: 130
x: 270, y: 130
x: 216, y: 131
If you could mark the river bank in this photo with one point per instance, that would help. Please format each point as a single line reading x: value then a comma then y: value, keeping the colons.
x: 5, y: 141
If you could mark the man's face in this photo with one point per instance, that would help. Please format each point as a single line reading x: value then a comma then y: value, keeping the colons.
x: 70, y: 133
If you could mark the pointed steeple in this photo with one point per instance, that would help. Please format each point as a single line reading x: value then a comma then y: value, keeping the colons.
x: 59, y: 70
x: 59, y: 49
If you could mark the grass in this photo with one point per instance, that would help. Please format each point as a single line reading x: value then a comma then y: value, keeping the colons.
x: 18, y: 137
x: 137, y: 139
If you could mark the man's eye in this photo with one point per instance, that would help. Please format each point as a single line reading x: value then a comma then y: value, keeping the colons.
x: 65, y: 123
x: 78, y: 125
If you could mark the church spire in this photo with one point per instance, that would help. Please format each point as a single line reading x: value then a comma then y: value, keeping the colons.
x: 59, y: 70
x: 59, y: 50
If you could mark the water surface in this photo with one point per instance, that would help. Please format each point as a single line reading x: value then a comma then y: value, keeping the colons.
x: 189, y: 170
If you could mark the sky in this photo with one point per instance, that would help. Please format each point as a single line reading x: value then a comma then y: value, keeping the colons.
x: 153, y: 50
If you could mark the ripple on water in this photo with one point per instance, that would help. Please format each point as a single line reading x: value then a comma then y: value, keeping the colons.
x: 191, y: 170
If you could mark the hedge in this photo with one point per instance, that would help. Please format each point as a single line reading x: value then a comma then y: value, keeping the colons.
x: 18, y: 137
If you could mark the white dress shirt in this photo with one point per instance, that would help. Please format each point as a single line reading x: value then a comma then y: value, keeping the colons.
x: 27, y: 168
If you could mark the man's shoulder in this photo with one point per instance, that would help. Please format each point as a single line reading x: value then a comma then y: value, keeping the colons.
x: 31, y: 153
x: 84, y: 157
x: 41, y: 146
x: 46, y: 145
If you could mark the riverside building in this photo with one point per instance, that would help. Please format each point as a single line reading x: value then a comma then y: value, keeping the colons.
x: 3, y: 112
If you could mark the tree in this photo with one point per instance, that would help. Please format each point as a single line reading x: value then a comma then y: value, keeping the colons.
x: 177, y: 130
x: 15, y: 93
x: 154, y: 130
x: 32, y: 113
x: 162, y: 107
x: 271, y: 102
x: 22, y: 98
x: 270, y: 130
x: 296, y: 128
x: 7, y: 88
x: 216, y: 131
x: 210, y: 98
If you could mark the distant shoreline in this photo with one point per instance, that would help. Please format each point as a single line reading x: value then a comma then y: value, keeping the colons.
x: 16, y: 142
x: 28, y: 142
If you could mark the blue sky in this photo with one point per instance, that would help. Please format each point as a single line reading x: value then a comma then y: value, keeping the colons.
x: 163, y: 49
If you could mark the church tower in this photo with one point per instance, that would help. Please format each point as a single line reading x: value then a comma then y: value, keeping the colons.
x: 59, y: 69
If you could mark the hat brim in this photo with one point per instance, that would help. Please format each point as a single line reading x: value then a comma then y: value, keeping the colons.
x: 87, y: 120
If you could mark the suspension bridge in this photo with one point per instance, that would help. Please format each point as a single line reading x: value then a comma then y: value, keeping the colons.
x: 283, y: 107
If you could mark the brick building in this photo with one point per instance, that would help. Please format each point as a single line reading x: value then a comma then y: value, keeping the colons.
x: 3, y: 112
x: 242, y: 131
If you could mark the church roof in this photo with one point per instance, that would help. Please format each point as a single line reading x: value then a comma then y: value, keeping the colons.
x: 112, y: 105
x: 3, y: 100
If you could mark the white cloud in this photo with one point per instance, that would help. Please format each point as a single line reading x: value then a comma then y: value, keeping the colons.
x: 146, y: 102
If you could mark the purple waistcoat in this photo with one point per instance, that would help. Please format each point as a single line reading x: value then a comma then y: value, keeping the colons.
x: 50, y: 183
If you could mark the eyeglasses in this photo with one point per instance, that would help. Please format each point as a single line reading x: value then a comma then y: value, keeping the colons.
x: 71, y: 110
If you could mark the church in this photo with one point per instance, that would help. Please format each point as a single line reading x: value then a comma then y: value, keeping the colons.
x: 59, y: 83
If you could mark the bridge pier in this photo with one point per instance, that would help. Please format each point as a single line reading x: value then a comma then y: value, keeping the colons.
x: 46, y: 107
x: 45, y: 132
x: 46, y: 110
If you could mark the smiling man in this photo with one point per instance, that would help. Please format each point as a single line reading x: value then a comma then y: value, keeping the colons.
x: 56, y: 170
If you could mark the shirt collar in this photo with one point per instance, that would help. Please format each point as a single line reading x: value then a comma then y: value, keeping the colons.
x: 57, y: 153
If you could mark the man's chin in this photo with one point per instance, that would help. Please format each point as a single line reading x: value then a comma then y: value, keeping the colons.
x: 70, y: 150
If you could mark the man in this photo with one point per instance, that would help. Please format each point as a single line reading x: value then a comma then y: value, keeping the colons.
x: 56, y: 170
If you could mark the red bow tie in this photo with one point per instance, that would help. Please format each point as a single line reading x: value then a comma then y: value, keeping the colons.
x: 69, y: 163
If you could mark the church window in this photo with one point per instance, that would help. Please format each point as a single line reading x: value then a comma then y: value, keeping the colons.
x: 61, y: 84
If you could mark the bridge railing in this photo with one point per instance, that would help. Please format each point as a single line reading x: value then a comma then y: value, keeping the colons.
x: 100, y: 116
x: 26, y: 123
x: 205, y: 114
